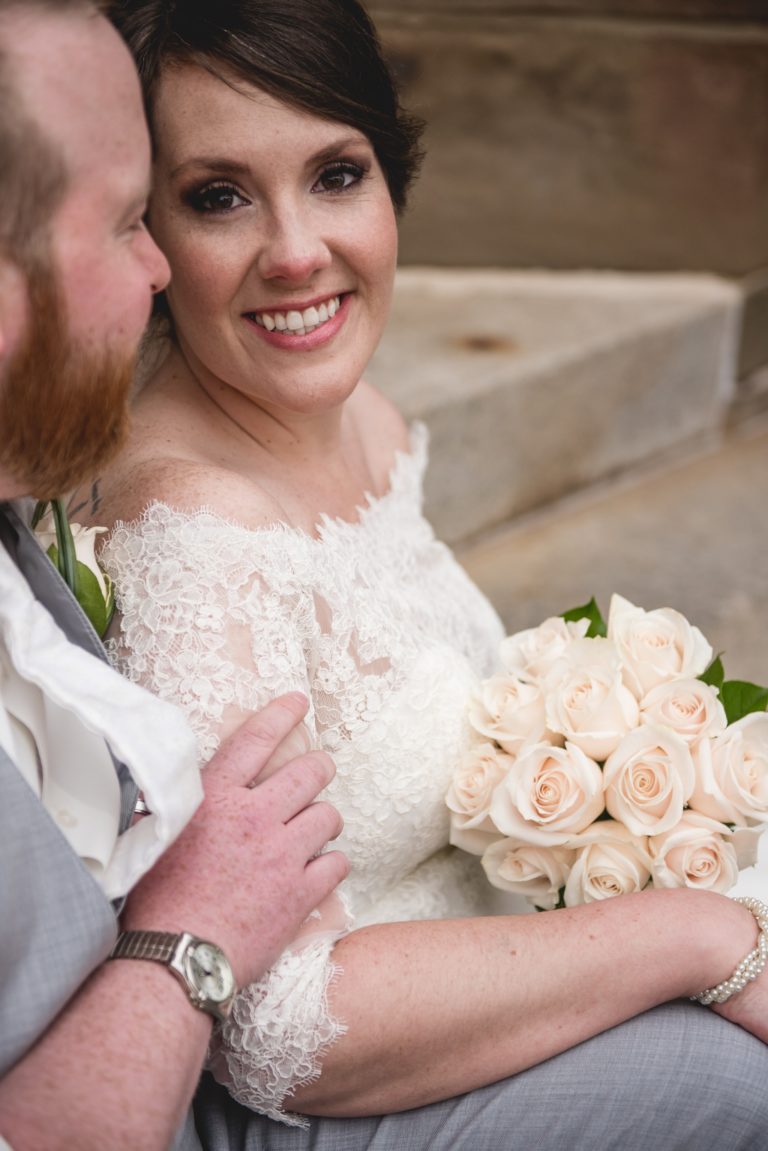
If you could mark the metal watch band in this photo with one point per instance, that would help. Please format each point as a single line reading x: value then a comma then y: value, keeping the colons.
x: 181, y: 954
x: 157, y: 945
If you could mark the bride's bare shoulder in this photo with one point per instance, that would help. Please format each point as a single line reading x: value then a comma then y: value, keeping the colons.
x: 134, y: 481
x: 166, y: 460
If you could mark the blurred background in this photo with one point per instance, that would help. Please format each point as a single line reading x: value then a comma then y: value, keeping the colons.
x: 581, y: 316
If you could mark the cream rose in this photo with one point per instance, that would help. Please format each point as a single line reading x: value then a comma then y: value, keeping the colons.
x: 481, y: 769
x: 689, y: 707
x: 510, y: 711
x: 649, y: 779
x: 609, y: 861
x: 732, y: 776
x: 548, y: 794
x: 697, y: 852
x: 587, y: 702
x: 746, y: 841
x: 83, y: 538
x: 655, y: 646
x: 538, y: 873
x: 531, y: 654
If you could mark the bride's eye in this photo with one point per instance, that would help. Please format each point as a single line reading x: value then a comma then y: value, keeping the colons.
x: 339, y: 177
x: 216, y: 199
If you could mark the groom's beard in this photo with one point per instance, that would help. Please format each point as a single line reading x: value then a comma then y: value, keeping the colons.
x: 63, y: 406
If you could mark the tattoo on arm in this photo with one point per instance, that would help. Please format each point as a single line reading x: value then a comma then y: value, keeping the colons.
x: 95, y: 497
x: 95, y: 502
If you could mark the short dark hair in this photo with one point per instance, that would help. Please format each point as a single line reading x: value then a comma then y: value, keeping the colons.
x: 322, y: 56
x: 33, y: 176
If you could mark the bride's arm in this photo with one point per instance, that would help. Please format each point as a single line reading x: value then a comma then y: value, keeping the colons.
x: 435, y: 1009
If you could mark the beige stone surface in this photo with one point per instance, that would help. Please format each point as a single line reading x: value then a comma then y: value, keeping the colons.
x: 727, y: 10
x: 753, y: 351
x: 568, y: 142
x: 533, y: 385
x: 694, y: 538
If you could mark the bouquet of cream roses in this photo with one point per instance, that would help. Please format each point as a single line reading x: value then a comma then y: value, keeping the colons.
x: 609, y: 759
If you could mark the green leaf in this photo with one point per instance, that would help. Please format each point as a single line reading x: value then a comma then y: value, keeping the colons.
x: 90, y: 596
x: 40, y: 509
x: 715, y: 673
x: 740, y: 699
x: 91, y: 599
x: 591, y: 612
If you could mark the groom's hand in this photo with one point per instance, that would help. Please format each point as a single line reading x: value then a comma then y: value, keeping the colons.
x: 246, y: 872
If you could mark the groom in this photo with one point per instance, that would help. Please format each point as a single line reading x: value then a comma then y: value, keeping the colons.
x: 99, y: 1049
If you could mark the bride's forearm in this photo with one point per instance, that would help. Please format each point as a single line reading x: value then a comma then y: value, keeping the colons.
x: 435, y: 1009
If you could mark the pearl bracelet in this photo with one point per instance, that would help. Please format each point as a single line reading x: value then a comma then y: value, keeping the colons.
x: 751, y: 965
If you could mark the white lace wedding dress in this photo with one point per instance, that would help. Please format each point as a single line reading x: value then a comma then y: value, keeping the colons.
x: 380, y: 627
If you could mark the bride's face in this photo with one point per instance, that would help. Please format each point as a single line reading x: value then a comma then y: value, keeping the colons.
x: 281, y: 237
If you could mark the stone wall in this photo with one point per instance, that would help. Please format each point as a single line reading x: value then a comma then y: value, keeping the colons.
x: 625, y: 134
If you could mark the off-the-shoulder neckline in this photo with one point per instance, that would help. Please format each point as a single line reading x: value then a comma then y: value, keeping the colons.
x: 407, y: 470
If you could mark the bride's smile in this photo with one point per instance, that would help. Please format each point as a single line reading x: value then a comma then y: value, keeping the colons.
x: 289, y: 327
x: 281, y: 233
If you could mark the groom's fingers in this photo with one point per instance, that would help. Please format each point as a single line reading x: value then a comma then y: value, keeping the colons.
x: 296, y: 785
x: 241, y: 758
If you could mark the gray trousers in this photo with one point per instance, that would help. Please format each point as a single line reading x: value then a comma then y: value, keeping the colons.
x: 678, y: 1078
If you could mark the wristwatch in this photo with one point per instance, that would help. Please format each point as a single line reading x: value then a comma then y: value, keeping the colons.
x: 201, y: 967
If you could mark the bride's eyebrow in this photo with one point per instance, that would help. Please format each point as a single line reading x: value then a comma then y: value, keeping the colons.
x: 332, y: 150
x: 237, y: 169
x: 217, y: 165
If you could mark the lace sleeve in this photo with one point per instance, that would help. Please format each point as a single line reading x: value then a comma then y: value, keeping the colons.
x: 201, y: 624
x: 218, y: 621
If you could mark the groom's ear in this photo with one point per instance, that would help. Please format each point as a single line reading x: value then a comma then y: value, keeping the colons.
x: 13, y: 308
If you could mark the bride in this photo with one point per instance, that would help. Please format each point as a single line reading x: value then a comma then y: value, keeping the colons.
x: 266, y: 536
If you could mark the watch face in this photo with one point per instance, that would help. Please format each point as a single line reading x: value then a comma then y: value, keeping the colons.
x: 210, y: 972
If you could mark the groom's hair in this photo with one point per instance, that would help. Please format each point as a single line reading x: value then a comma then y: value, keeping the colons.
x: 33, y: 175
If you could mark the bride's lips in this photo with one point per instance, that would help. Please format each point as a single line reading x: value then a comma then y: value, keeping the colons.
x: 291, y: 341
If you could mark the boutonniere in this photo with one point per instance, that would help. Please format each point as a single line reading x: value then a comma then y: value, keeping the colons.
x: 71, y: 547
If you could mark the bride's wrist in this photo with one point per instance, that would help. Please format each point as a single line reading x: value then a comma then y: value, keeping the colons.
x: 750, y: 966
x: 729, y: 933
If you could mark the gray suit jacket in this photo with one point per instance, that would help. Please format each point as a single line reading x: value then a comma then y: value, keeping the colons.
x: 56, y: 925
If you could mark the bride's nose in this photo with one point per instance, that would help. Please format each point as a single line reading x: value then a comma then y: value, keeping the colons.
x: 293, y: 248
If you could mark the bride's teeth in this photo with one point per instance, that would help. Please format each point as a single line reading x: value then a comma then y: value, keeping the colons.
x: 299, y: 323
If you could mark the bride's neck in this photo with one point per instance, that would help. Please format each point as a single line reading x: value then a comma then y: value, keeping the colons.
x: 286, y: 435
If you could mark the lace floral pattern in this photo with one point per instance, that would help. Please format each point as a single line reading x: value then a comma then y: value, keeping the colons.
x: 249, y: 1054
x: 380, y: 627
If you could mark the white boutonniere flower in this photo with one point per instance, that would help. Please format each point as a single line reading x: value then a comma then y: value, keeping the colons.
x: 72, y: 548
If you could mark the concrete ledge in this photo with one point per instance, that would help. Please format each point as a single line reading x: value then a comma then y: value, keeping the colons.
x: 726, y: 10
x: 536, y: 384
x: 572, y: 142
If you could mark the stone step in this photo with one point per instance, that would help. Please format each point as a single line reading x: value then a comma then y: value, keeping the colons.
x: 692, y: 536
x: 536, y: 384
x: 623, y: 134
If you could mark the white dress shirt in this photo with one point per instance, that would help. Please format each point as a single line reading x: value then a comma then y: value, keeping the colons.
x: 58, y: 706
